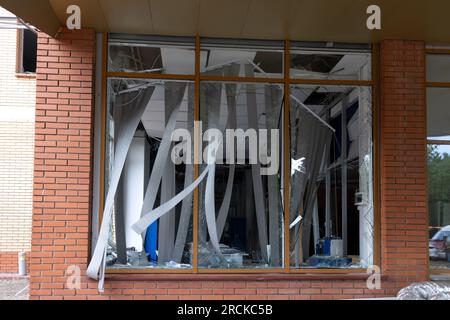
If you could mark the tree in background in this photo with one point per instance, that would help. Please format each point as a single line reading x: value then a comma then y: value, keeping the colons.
x: 438, y: 187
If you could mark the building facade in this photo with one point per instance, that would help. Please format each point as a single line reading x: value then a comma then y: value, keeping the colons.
x: 105, y: 102
x: 17, y: 104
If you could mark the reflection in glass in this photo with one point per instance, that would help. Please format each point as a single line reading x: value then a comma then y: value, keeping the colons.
x: 331, y: 209
x: 165, y: 244
x: 247, y: 211
x: 439, y: 206
x: 438, y: 114
x: 438, y: 67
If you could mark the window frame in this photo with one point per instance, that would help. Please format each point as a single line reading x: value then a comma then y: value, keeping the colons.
x: 286, y: 81
x: 442, y: 85
x: 19, y: 56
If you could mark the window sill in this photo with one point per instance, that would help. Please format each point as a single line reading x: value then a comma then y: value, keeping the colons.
x: 26, y: 75
x: 236, y: 277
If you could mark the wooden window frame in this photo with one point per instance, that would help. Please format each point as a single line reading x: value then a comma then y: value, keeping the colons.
x: 287, y: 81
x: 435, y: 84
x: 19, y: 57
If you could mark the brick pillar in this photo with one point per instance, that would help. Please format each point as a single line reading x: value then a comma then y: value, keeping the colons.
x: 404, y: 221
x: 62, y: 172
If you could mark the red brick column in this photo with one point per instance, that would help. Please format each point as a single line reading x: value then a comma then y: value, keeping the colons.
x: 62, y: 173
x: 404, y: 221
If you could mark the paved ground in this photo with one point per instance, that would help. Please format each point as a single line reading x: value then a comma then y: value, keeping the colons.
x: 13, y: 289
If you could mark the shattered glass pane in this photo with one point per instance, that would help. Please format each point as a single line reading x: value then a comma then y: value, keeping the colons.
x: 165, y: 243
x: 330, y: 63
x: 248, y: 210
x: 148, y: 57
x: 331, y: 185
x: 265, y: 60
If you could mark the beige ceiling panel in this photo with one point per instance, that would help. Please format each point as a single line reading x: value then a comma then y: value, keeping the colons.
x: 91, y: 13
x: 309, y: 20
x: 345, y: 21
x: 220, y: 18
x: 174, y: 17
x: 267, y: 19
x: 325, y: 20
x: 130, y: 16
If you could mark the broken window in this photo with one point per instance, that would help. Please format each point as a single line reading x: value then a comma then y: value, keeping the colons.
x: 140, y: 119
x: 264, y: 58
x: 241, y: 215
x: 331, y: 206
x: 160, y: 56
x: 242, y: 175
x: 330, y: 61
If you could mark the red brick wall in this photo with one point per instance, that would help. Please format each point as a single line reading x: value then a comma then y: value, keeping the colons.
x: 9, y: 262
x: 404, y: 220
x: 63, y: 151
x: 63, y: 173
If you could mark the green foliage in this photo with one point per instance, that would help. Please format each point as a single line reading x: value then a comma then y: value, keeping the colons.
x: 438, y: 175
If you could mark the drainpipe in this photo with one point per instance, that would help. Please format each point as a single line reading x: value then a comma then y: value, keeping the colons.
x: 22, y: 264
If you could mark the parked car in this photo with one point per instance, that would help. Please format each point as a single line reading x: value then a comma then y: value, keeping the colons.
x: 439, y: 245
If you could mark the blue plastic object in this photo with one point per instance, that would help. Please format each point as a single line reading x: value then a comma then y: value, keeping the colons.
x: 151, y: 242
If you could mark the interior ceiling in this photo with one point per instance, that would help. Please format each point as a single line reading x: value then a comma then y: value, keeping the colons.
x: 309, y: 20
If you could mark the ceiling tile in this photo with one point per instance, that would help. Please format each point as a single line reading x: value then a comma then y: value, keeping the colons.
x: 174, y: 17
x: 220, y: 18
x: 131, y: 16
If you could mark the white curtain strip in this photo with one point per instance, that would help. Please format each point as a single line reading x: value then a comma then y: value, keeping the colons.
x: 258, y: 190
x: 173, y: 96
x: 96, y: 267
x: 155, y: 214
x: 272, y: 98
x: 213, y: 105
x: 230, y: 89
x: 210, y: 208
x: 223, y: 211
x: 163, y: 152
x: 186, y: 213
x: 186, y: 206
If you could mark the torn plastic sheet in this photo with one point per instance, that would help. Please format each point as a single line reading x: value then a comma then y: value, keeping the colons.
x: 187, y: 205
x: 256, y: 169
x: 231, y: 100
x: 162, y: 154
x: 96, y: 267
x: 154, y: 215
x: 425, y: 291
x: 173, y: 97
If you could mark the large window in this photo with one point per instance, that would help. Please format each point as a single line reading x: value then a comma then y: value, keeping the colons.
x: 438, y: 133
x: 236, y: 155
